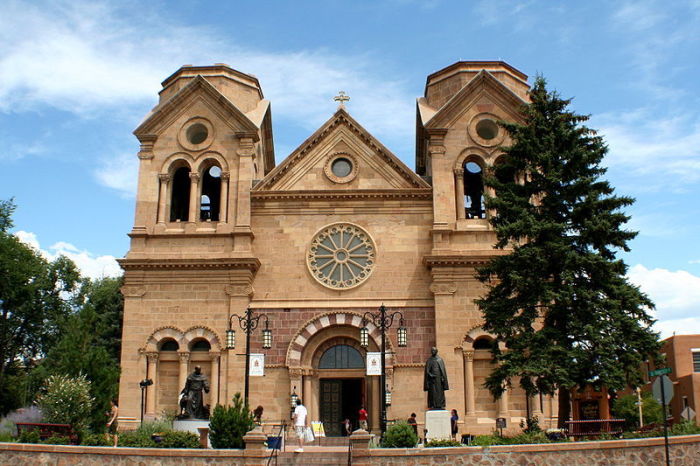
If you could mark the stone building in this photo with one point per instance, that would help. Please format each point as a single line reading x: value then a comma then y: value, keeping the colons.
x: 338, y: 228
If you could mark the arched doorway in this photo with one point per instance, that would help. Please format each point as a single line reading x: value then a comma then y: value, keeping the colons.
x: 342, y: 387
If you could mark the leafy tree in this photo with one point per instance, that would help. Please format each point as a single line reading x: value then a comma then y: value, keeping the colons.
x: 560, y: 300
x: 66, y: 400
x: 31, y: 304
x: 228, y: 424
x: 400, y: 435
x: 626, y: 408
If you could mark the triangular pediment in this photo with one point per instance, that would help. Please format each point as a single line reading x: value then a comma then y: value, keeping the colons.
x: 484, y: 86
x: 308, y: 168
x: 199, y: 91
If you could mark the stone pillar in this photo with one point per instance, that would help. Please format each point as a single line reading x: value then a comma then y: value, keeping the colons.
x: 537, y: 408
x: 306, y: 397
x: 223, y: 201
x: 503, y: 404
x: 459, y: 192
x: 184, y: 368
x: 255, y: 444
x: 194, y: 198
x: 360, y: 447
x: 214, y: 386
x: 163, y: 197
x: 470, y: 395
x: 152, y: 358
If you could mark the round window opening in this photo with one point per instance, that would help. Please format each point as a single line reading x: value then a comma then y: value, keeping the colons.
x: 215, y: 172
x: 197, y: 133
x: 473, y: 167
x: 341, y: 256
x: 341, y: 167
x: 487, y: 129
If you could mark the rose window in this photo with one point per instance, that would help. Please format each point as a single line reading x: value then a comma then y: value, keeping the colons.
x: 341, y: 256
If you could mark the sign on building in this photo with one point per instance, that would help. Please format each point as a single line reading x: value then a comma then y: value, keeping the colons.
x: 374, y: 363
x: 257, y: 365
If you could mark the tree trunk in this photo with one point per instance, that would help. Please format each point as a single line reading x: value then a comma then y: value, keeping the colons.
x: 564, y: 407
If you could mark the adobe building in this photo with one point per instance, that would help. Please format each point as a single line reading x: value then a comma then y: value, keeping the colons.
x: 338, y: 228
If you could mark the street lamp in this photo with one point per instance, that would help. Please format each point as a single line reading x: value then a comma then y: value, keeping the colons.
x: 383, y: 321
x: 144, y: 384
x: 293, y: 401
x: 248, y: 323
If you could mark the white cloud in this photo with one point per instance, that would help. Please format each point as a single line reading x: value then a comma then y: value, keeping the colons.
x: 89, y: 265
x: 120, y: 173
x: 676, y: 295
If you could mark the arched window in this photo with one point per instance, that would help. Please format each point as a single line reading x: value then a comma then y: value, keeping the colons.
x: 341, y: 357
x: 211, y: 194
x: 474, y: 190
x: 200, y: 345
x: 180, y: 196
x: 483, y: 343
x: 169, y: 345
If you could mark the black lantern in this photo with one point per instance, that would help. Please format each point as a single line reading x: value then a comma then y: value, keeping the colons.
x: 293, y: 398
x: 402, y: 335
x: 230, y: 339
x: 364, y: 337
x: 267, y: 337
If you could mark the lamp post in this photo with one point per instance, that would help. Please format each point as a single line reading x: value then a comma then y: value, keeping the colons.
x: 383, y: 321
x: 248, y: 323
x: 144, y: 385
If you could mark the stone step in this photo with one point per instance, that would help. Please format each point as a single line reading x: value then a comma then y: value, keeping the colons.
x: 312, y: 458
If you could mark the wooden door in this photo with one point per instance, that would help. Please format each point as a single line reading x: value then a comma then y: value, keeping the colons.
x: 331, y: 406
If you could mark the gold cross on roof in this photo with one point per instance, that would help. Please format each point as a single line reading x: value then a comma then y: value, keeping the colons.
x: 341, y: 98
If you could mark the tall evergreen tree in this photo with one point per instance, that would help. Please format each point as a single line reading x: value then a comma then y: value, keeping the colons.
x: 559, y: 300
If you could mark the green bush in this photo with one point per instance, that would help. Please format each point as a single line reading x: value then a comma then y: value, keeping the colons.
x: 399, y: 435
x: 442, y: 443
x: 487, y: 440
x: 626, y: 408
x: 66, y: 400
x: 228, y: 424
x: 29, y: 436
x: 95, y: 440
x: 6, y: 437
x: 684, y: 428
x: 57, y: 440
x: 136, y: 439
x: 179, y: 439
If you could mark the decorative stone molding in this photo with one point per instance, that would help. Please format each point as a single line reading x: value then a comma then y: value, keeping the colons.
x: 152, y: 356
x: 249, y: 263
x: 225, y: 176
x: 328, y: 167
x: 295, y: 372
x: 184, y: 356
x: 203, y: 332
x: 146, y: 149
x: 162, y: 333
x: 458, y: 171
x: 460, y: 260
x: 468, y: 355
x: 164, y: 177
x: 443, y: 288
x: 214, y: 355
x: 194, y: 177
x: 418, y: 193
x: 184, y: 139
x: 239, y: 290
x: 133, y: 291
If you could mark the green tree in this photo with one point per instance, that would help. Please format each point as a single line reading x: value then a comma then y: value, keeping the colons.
x: 66, y: 400
x: 560, y: 300
x: 228, y: 424
x: 31, y: 304
x: 626, y: 408
x: 88, y: 345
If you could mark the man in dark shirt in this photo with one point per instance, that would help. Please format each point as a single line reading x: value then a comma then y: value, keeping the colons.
x: 413, y: 423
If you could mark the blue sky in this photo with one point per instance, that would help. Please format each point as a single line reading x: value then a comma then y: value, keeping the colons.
x: 76, y: 78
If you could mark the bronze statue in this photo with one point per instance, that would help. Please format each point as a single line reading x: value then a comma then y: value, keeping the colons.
x: 193, y: 398
x: 435, y: 380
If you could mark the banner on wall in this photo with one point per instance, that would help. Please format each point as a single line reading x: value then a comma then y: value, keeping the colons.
x: 257, y: 365
x: 374, y: 363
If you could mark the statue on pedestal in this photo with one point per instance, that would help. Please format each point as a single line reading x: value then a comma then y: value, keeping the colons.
x: 193, y: 395
x: 435, y: 380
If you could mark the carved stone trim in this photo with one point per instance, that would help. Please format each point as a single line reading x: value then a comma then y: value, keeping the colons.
x: 152, y: 357
x: 328, y: 167
x: 239, y: 290
x: 225, y: 176
x: 194, y: 177
x: 249, y: 263
x: 417, y: 193
x: 468, y: 355
x: 164, y: 177
x: 184, y: 356
x: 444, y: 288
x: 459, y: 260
x: 133, y: 291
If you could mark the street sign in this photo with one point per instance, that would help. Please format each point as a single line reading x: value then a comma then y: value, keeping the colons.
x: 688, y: 413
x: 662, y: 371
x: 667, y: 388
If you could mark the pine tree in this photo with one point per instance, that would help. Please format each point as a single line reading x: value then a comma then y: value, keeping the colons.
x: 559, y: 300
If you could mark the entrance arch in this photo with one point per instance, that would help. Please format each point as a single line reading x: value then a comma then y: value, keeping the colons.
x: 309, y: 345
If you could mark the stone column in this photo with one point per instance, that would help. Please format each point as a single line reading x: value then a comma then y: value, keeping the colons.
x: 194, y: 198
x: 537, y: 408
x: 163, y: 197
x: 183, y: 370
x: 214, y: 386
x: 470, y: 395
x: 151, y: 389
x: 503, y: 404
x: 223, y: 200
x: 306, y: 397
x: 459, y: 192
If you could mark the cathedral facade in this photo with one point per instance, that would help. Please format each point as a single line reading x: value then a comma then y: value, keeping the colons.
x: 340, y: 227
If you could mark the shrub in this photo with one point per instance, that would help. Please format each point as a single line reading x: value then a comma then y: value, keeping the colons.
x: 95, y: 440
x: 399, y: 435
x: 684, y: 427
x: 57, y: 440
x: 442, y: 443
x: 228, y: 424
x: 487, y: 440
x: 529, y: 437
x: 179, y: 439
x: 66, y: 400
x: 531, y: 424
x: 6, y: 437
x: 626, y: 408
x: 136, y: 439
x: 29, y: 436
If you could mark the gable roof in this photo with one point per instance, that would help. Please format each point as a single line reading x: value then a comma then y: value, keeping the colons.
x: 341, y: 117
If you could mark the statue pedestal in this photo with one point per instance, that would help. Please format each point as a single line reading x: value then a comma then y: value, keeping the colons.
x: 437, y: 423
x: 191, y: 425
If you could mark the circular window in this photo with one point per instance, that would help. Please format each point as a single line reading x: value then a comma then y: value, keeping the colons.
x: 197, y: 133
x: 487, y: 129
x: 473, y: 167
x: 341, y: 168
x: 341, y: 256
x: 215, y: 172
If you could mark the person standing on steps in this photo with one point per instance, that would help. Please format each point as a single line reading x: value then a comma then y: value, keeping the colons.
x: 300, y: 424
x: 362, y: 417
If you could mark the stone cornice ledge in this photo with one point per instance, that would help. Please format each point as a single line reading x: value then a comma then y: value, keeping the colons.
x: 250, y: 263
x: 415, y: 193
x: 461, y: 259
